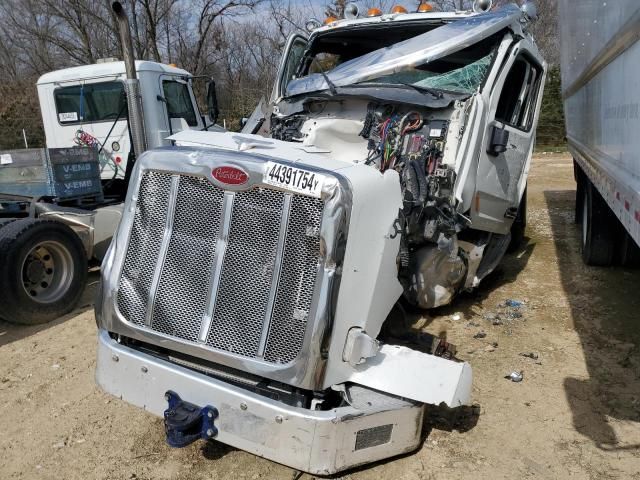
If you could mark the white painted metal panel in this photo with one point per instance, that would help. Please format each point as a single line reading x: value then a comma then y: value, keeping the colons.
x: 603, y: 110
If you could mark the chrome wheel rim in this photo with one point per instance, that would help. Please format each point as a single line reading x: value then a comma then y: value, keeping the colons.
x: 47, y: 272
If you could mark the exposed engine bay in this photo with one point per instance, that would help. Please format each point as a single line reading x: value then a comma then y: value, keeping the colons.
x: 412, y: 140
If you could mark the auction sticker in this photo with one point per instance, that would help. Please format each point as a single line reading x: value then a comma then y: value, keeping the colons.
x: 68, y: 117
x: 295, y: 179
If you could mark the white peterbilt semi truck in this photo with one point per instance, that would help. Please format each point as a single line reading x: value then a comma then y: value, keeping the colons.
x: 246, y: 294
x: 600, y: 54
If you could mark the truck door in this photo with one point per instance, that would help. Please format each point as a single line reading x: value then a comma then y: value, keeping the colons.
x: 509, y: 137
x: 295, y: 48
x: 179, y: 105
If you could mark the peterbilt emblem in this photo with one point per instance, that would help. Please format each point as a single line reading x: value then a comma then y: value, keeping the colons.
x: 230, y: 175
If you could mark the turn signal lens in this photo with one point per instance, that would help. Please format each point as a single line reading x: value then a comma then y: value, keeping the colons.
x: 424, y: 8
x: 374, y: 12
x: 398, y: 9
x: 329, y: 20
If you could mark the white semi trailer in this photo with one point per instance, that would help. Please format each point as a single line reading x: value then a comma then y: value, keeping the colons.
x: 600, y: 55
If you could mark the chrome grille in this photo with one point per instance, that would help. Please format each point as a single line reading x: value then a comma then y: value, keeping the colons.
x: 246, y: 288
x: 247, y: 272
x: 297, y: 278
x: 144, y: 246
x: 181, y: 296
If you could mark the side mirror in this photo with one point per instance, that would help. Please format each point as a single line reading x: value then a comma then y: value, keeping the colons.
x: 499, y: 141
x: 212, y: 101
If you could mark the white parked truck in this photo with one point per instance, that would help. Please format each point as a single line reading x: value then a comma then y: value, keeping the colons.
x: 600, y: 54
x: 247, y: 294
x: 60, y: 206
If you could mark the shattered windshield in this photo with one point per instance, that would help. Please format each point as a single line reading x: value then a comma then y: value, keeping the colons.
x: 444, y: 74
x: 453, y: 56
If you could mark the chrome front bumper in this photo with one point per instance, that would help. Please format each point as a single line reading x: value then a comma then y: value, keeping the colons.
x: 318, y: 442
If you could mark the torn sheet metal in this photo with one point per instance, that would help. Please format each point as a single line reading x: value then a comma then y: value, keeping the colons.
x: 403, y: 56
x: 417, y: 376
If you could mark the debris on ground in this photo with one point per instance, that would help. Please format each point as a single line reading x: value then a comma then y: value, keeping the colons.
x: 480, y: 335
x: 531, y: 355
x: 515, y: 376
x: 455, y: 317
x: 513, y: 303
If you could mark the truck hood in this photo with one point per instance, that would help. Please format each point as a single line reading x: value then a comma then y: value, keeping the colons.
x: 258, y: 145
x: 402, y: 56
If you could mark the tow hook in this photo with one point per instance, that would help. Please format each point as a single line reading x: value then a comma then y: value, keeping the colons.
x: 184, y: 422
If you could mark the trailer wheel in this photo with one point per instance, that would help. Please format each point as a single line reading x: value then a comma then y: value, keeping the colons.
x: 629, y: 250
x: 598, y: 228
x: 519, y: 224
x: 580, y: 182
x: 43, y: 270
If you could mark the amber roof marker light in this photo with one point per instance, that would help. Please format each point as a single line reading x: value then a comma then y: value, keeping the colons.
x: 374, y: 12
x: 398, y: 9
x: 425, y: 8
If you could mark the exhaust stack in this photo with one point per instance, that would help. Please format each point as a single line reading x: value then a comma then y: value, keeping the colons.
x: 132, y: 84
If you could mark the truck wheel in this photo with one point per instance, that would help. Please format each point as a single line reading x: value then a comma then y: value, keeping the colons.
x: 580, y: 181
x: 43, y: 270
x: 629, y: 250
x: 5, y: 221
x: 598, y: 228
x: 519, y: 224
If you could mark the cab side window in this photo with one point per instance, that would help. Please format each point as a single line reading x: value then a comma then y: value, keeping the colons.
x: 179, y: 104
x: 519, y: 94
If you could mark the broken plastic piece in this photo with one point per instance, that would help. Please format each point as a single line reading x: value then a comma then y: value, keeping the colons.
x: 515, y: 376
x: 513, y: 303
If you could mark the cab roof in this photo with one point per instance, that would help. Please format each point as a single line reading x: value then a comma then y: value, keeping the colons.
x: 396, y: 18
x: 108, y: 69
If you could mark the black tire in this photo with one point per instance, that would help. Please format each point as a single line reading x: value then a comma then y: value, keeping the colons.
x: 599, y: 228
x: 6, y: 221
x: 519, y: 225
x: 43, y: 270
x: 629, y: 250
x: 580, y: 182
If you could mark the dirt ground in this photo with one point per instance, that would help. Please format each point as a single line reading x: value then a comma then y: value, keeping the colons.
x: 576, y: 414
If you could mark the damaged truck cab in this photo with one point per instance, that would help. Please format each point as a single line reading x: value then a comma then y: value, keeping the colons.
x: 245, y: 292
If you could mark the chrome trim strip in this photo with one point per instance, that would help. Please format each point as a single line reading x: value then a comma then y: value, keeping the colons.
x: 624, y: 39
x: 284, y: 223
x: 164, y: 246
x: 221, y: 248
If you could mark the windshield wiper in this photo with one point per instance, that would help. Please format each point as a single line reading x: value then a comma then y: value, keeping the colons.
x: 434, y: 93
x: 332, y: 87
